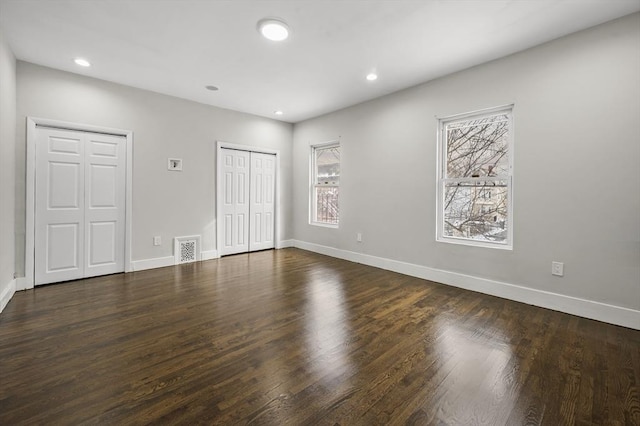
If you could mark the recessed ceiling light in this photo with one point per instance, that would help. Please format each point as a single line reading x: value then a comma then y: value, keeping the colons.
x: 278, y: 112
x: 273, y: 29
x: 82, y: 62
x: 212, y: 88
x: 372, y: 76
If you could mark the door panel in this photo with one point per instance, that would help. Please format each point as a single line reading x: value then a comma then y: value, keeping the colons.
x: 268, y: 227
x: 64, y: 180
x: 105, y: 204
x: 241, y: 226
x: 103, y: 238
x: 79, y: 205
x: 59, y: 201
x: 103, y: 188
x: 257, y: 228
x: 63, y: 235
x: 262, y: 201
x: 228, y: 230
x: 64, y: 145
x: 235, y: 207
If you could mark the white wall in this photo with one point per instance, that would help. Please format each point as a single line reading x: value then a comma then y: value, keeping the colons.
x: 7, y: 170
x: 577, y: 170
x: 165, y: 203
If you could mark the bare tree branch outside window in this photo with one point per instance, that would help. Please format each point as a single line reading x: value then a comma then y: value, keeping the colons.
x: 476, y: 178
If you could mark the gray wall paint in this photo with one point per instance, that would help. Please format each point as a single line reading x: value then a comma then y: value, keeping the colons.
x: 7, y: 161
x: 576, y: 169
x: 165, y: 203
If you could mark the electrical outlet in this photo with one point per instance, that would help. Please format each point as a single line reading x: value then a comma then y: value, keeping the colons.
x: 359, y: 237
x: 157, y: 240
x: 557, y: 268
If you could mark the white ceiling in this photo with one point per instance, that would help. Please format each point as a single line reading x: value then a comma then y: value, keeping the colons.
x: 177, y: 47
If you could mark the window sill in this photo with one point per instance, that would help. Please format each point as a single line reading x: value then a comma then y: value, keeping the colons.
x: 325, y: 225
x: 474, y: 243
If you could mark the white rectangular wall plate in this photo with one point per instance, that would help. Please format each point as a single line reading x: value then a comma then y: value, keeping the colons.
x: 175, y: 164
x: 557, y: 268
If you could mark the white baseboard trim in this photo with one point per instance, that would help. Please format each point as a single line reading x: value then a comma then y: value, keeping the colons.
x: 284, y: 244
x: 158, y: 262
x: 21, y: 284
x: 558, y: 302
x: 7, y: 294
x: 161, y: 262
x: 209, y: 254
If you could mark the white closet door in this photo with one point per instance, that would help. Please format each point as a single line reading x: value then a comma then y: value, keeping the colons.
x: 262, y: 192
x: 105, y: 173
x: 80, y: 205
x: 235, y: 203
x: 59, y: 216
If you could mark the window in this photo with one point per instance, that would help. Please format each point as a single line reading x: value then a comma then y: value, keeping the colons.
x: 325, y: 184
x: 474, y: 182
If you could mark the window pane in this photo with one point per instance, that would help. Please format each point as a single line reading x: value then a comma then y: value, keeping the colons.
x: 328, y: 165
x: 327, y: 204
x: 478, y: 147
x: 476, y: 210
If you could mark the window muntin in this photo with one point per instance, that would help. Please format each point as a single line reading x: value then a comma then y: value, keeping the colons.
x: 325, y: 184
x: 474, y: 185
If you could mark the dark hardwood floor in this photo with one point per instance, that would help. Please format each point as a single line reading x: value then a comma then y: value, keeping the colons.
x: 292, y: 337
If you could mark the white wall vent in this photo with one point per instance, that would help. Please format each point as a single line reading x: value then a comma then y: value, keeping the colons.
x: 186, y: 249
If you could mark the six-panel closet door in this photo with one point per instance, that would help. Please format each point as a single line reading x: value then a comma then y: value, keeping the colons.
x: 248, y: 201
x: 79, y: 205
x: 262, y: 207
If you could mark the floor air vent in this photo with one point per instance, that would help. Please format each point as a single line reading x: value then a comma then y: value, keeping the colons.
x: 186, y: 249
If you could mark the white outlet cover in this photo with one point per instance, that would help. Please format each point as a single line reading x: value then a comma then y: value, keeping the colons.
x: 557, y: 268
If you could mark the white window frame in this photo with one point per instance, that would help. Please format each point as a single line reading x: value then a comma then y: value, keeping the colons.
x: 441, y: 178
x: 313, y: 184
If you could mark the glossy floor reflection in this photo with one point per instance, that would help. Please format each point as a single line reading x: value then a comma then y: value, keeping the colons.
x: 292, y: 337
